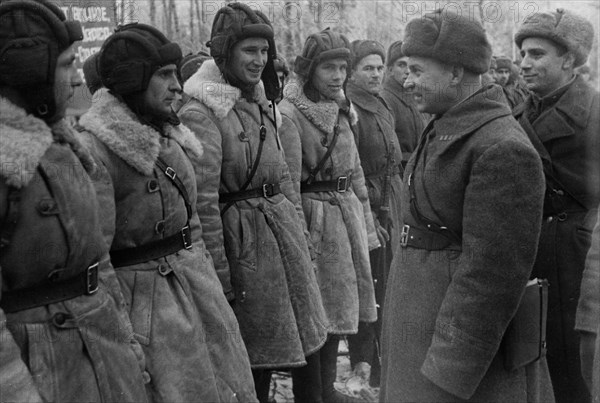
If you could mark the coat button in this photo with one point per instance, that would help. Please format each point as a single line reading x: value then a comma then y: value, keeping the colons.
x: 163, y: 270
x: 152, y: 185
x: 334, y: 202
x: 47, y: 207
x: 59, y: 319
x: 159, y: 227
x: 324, y: 142
x: 146, y: 377
x: 242, y: 136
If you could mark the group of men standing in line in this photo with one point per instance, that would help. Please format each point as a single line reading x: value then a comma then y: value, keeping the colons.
x: 194, y: 233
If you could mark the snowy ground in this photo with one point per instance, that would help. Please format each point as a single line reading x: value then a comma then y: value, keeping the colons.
x: 347, y: 382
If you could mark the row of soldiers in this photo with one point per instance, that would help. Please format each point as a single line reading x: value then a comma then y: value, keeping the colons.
x: 191, y: 234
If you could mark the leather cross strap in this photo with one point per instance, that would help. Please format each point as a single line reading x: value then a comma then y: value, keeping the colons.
x: 172, y: 175
x: 262, y: 136
x: 317, y: 169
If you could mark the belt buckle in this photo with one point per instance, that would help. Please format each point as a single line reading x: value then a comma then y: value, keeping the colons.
x: 404, y: 236
x: 186, y: 236
x: 267, y: 190
x: 342, y: 184
x: 170, y: 172
x: 91, y: 279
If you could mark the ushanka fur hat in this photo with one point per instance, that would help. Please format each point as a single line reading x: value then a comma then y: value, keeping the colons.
x: 394, y: 53
x: 574, y: 33
x: 503, y: 62
x: 449, y: 38
x: 363, y: 48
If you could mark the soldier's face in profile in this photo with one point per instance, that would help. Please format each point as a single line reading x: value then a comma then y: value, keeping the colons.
x: 66, y: 78
x: 545, y: 67
x: 399, y: 70
x: 429, y: 81
x: 162, y: 90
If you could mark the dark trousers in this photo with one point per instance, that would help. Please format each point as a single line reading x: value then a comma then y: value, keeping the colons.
x: 262, y: 384
x: 314, y: 382
x: 364, y: 346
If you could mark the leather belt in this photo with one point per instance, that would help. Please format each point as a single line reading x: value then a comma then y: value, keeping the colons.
x: 424, y: 239
x: 153, y: 250
x: 267, y: 190
x: 85, y: 283
x: 340, y: 185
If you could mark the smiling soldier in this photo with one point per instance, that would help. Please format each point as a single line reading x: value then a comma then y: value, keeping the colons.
x: 246, y: 202
x: 561, y: 118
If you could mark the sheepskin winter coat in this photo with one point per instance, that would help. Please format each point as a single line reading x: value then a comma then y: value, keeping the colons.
x: 341, y: 225
x: 179, y: 314
x: 565, y: 134
x: 80, y: 349
x: 277, y: 301
x: 446, y: 310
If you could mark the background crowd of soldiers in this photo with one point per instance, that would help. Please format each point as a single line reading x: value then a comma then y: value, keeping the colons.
x: 215, y: 217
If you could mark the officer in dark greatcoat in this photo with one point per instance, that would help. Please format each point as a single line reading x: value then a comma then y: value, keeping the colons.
x: 561, y: 118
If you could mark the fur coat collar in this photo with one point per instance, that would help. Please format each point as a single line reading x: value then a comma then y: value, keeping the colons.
x: 24, y: 139
x: 117, y: 127
x: 322, y: 114
x: 209, y: 87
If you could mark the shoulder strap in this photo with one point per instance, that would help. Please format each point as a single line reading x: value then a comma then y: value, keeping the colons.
x: 317, y: 169
x: 9, y: 224
x: 172, y: 175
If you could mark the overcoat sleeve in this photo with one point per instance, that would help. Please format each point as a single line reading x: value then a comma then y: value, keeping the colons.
x: 502, y: 214
x: 208, y: 180
x: 360, y: 189
x: 588, y: 310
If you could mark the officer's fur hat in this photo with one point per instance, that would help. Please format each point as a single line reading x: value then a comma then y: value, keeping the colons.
x: 449, y: 38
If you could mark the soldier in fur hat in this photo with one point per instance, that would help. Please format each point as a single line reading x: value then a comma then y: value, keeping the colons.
x: 250, y: 212
x: 380, y: 157
x: 562, y: 119
x: 179, y: 314
x: 471, y: 213
x: 64, y: 333
x: 507, y: 76
x: 409, y: 122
